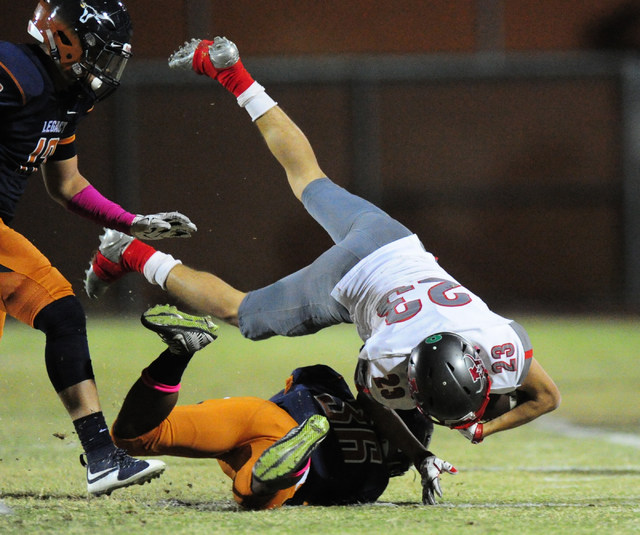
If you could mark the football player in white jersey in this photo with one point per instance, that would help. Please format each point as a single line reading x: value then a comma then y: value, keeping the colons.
x: 428, y: 341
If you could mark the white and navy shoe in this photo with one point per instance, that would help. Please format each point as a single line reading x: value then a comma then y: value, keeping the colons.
x: 119, y: 470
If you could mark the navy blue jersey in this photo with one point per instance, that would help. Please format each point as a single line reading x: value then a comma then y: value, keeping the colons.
x: 36, y: 121
x: 348, y: 466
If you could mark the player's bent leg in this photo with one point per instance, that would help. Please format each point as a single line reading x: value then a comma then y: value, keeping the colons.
x: 300, y: 303
x: 205, y: 293
x: 35, y: 293
x: 235, y: 431
x: 70, y: 371
x: 243, y: 493
x: 285, y: 463
x: 343, y: 214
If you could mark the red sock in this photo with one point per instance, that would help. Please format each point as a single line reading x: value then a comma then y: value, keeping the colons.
x: 235, y: 79
x: 136, y: 254
x: 105, y: 269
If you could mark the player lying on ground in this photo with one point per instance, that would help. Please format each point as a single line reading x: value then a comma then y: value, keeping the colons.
x: 265, y: 447
x: 46, y: 88
x: 428, y: 341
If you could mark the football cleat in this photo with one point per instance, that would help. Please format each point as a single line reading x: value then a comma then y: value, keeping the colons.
x: 222, y: 53
x: 183, y: 333
x: 119, y: 470
x: 106, y: 265
x: 283, y: 464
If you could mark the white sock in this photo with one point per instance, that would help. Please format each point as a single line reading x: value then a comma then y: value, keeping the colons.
x: 157, y: 268
x: 256, y: 101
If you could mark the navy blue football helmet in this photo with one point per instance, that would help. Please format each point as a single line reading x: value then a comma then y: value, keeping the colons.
x: 88, y: 40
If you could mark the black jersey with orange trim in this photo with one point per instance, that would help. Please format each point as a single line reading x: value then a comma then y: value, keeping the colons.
x: 349, y: 465
x: 353, y: 463
x: 37, y: 122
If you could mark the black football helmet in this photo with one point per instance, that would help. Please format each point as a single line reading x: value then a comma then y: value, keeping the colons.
x: 89, y: 41
x: 448, y: 381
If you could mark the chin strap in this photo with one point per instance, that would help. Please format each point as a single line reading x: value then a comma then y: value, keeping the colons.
x: 53, y: 48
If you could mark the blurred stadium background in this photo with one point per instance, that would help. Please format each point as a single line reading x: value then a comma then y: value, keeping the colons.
x: 506, y: 134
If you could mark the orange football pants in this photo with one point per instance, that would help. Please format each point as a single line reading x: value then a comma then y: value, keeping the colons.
x: 235, y: 431
x: 28, y: 281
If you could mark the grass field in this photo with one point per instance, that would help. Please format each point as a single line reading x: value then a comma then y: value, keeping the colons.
x: 576, y: 471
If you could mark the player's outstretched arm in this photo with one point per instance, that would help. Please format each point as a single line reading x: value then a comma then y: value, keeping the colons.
x: 72, y: 190
x: 391, y: 427
x: 542, y: 396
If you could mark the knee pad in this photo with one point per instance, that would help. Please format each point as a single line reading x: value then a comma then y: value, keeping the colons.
x: 67, y: 350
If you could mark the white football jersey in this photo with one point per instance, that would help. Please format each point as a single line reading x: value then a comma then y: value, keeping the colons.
x: 398, y: 296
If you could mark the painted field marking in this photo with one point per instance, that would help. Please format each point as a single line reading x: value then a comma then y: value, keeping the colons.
x: 566, y: 428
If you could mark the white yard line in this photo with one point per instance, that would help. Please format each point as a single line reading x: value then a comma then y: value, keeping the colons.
x: 566, y: 428
x: 5, y: 509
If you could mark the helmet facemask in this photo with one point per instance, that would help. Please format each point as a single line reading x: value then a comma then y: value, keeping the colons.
x: 102, y: 66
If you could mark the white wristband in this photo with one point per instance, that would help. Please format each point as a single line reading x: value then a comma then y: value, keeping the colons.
x: 256, y: 101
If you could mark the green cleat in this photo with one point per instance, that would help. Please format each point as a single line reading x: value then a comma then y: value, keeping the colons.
x: 284, y: 463
x: 183, y: 333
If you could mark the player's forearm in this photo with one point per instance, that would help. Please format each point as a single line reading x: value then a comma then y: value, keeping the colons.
x: 522, y: 414
x: 391, y: 427
x: 63, y: 180
x: 542, y: 396
x: 91, y: 204
x: 66, y: 185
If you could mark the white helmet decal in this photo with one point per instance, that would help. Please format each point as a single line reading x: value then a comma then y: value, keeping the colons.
x: 91, y: 12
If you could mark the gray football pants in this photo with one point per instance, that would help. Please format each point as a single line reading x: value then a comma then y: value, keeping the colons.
x: 301, y: 303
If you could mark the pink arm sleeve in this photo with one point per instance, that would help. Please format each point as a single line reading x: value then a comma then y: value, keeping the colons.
x: 90, y: 203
